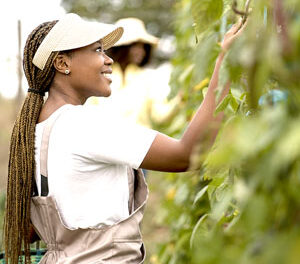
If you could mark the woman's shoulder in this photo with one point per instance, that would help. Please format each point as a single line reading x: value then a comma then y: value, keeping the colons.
x: 66, y: 114
x: 90, y: 117
x: 79, y: 112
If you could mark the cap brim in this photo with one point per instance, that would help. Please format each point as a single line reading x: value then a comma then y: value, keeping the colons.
x: 112, y: 38
x: 72, y: 32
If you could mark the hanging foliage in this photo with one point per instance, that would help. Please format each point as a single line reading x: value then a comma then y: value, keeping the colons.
x: 241, y: 202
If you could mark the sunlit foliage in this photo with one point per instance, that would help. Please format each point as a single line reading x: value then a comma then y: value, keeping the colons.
x: 241, y: 203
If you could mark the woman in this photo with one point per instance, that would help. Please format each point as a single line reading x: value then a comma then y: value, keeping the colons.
x: 70, y: 167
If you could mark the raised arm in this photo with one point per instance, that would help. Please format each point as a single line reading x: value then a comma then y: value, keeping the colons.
x: 172, y: 155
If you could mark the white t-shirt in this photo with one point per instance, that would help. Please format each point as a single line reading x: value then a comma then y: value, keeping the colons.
x: 88, y: 155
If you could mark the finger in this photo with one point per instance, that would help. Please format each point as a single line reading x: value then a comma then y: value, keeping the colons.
x: 238, y: 25
x: 242, y: 28
x: 234, y: 28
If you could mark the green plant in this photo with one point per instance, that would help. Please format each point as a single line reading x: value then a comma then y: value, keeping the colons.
x: 241, y: 201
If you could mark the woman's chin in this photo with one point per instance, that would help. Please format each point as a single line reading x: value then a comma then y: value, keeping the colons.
x: 103, y: 92
x: 107, y: 93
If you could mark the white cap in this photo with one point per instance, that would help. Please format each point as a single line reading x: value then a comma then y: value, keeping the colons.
x: 135, y: 31
x: 73, y: 32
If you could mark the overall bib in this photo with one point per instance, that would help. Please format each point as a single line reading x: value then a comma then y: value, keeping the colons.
x: 117, y: 243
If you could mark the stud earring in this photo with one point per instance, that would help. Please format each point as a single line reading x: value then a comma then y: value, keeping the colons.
x: 67, y: 71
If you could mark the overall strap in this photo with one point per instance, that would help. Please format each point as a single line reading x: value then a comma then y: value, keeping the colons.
x: 44, y: 149
x: 131, y: 179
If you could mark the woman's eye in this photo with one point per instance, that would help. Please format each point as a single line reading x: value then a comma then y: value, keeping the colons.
x: 99, y: 49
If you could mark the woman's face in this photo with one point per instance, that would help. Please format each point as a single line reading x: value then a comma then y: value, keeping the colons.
x: 137, y: 53
x: 90, y: 71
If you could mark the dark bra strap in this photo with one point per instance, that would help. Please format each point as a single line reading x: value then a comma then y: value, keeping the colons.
x: 35, y: 189
x: 44, y: 186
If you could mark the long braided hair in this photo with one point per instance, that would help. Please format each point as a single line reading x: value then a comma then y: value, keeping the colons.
x: 21, y: 166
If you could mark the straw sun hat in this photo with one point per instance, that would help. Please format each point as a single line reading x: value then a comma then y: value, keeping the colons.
x: 73, y: 32
x: 135, y: 31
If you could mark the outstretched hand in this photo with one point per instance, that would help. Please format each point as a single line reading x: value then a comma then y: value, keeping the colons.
x: 235, y: 31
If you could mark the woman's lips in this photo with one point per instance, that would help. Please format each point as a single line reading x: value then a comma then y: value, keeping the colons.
x: 107, y: 75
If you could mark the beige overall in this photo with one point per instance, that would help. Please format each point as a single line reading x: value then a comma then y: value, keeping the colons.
x: 118, y: 243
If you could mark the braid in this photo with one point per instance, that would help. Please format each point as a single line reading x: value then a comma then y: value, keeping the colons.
x: 21, y: 166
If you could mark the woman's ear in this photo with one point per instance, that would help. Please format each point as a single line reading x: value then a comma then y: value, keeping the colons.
x: 62, y: 63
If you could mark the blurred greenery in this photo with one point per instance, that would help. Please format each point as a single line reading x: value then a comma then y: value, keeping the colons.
x: 241, y: 201
x: 155, y: 13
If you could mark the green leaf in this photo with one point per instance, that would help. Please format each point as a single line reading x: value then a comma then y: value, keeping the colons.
x: 186, y: 73
x: 234, y: 104
x: 220, y: 207
x: 205, y: 13
x: 200, y: 221
x: 222, y: 105
x: 288, y: 147
x: 200, y: 194
x: 205, y: 56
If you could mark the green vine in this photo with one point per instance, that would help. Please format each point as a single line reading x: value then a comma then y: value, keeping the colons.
x: 241, y: 201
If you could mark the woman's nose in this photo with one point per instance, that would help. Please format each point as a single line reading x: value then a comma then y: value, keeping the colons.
x: 108, y: 60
